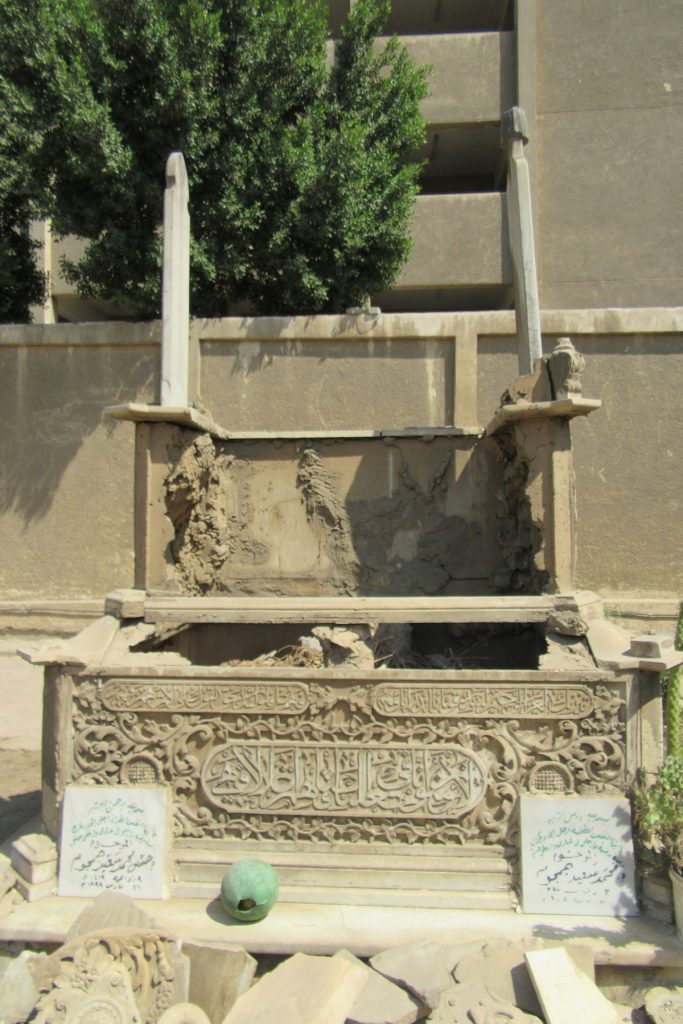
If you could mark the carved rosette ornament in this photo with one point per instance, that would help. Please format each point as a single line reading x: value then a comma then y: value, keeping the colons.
x: 117, y: 976
x: 393, y: 762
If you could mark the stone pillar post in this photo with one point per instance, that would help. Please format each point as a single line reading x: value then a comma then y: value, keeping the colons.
x: 40, y: 231
x: 175, y: 298
x: 520, y: 226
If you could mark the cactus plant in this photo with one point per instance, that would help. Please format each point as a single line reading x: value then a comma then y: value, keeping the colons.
x: 673, y: 697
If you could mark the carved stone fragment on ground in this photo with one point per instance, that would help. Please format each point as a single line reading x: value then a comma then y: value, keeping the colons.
x: 218, y: 975
x: 96, y: 990
x: 302, y: 990
x: 184, y: 1013
x: 18, y: 990
x: 665, y: 1005
x: 382, y: 1001
x: 566, y: 995
x: 424, y: 968
x: 146, y: 956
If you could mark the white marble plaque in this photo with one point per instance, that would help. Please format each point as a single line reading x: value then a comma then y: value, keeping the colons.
x: 577, y: 856
x: 114, y: 838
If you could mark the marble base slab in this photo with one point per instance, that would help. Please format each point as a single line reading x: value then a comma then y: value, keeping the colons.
x: 365, y: 931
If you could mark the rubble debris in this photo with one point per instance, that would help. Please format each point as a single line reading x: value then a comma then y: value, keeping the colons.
x: 18, y: 990
x: 565, y: 653
x: 147, y: 958
x: 382, y: 1001
x: 184, y: 1013
x: 218, y: 975
x: 665, y: 1005
x: 302, y: 990
x: 567, y: 623
x: 348, y: 645
x: 501, y: 965
x: 424, y: 968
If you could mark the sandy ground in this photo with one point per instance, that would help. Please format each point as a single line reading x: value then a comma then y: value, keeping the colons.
x: 21, y: 687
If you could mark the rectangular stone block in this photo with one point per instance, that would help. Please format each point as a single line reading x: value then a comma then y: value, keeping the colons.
x: 566, y: 995
x: 302, y: 990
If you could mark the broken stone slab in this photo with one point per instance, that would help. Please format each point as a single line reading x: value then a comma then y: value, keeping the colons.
x: 18, y: 990
x: 97, y: 990
x: 381, y: 1001
x: 86, y: 648
x: 566, y: 995
x: 458, y: 1001
x: 302, y: 990
x: 501, y: 1013
x: 125, y: 603
x: 184, y: 1013
x: 424, y: 968
x: 109, y: 910
x: 219, y: 974
x: 665, y: 1005
x: 502, y: 967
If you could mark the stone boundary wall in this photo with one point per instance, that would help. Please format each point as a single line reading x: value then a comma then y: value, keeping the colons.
x: 66, y: 527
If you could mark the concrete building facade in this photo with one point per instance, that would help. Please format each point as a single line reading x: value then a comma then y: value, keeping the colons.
x: 602, y: 90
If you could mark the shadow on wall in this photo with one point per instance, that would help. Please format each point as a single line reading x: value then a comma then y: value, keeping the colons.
x: 53, y: 399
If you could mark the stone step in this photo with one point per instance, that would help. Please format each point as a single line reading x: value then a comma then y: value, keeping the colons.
x: 334, y: 895
x: 355, y: 879
x: 359, y: 857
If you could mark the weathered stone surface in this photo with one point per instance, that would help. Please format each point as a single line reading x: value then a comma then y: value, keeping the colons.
x: 302, y: 990
x: 18, y: 991
x: 566, y: 995
x: 665, y: 1005
x: 424, y: 968
x: 8, y: 875
x: 218, y: 975
x: 381, y: 1001
x: 459, y: 1000
x: 501, y: 1013
x: 109, y: 910
x: 98, y: 991
x: 181, y: 971
x: 184, y: 1013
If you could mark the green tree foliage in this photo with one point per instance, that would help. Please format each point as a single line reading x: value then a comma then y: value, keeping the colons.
x: 20, y: 282
x: 300, y: 192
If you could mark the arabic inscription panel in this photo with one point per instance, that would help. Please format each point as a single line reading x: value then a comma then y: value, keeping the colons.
x: 317, y: 759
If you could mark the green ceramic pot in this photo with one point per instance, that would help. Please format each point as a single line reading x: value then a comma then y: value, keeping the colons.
x: 249, y: 889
